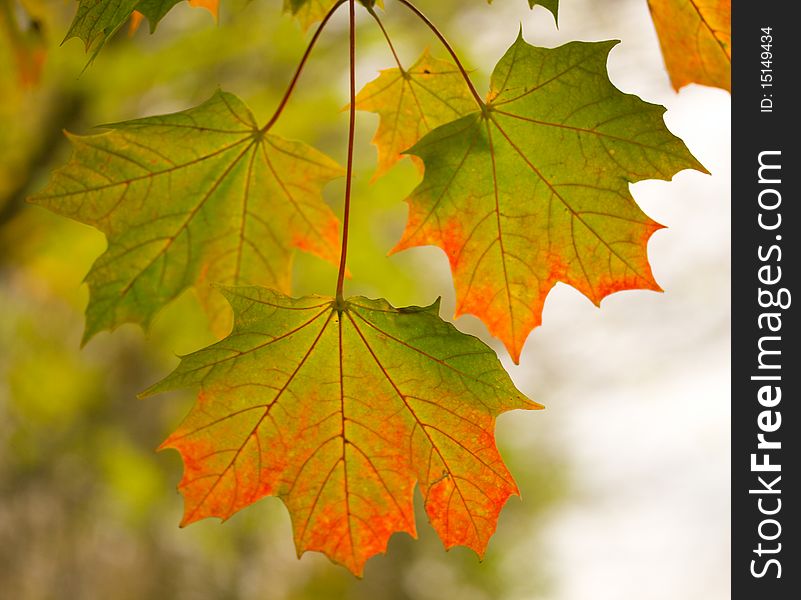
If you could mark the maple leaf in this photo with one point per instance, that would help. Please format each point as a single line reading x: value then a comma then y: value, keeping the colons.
x: 97, y: 20
x: 194, y: 197
x: 534, y: 189
x: 411, y: 103
x: 339, y: 409
x: 551, y: 5
x: 155, y: 10
x: 695, y: 36
x: 308, y: 12
x: 213, y: 6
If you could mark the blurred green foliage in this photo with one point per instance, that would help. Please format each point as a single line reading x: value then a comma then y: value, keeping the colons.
x: 87, y: 508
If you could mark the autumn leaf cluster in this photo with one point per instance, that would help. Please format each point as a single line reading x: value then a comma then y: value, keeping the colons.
x: 341, y: 405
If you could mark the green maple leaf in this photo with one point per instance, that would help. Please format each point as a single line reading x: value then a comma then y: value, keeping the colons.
x: 339, y: 410
x: 155, y: 10
x: 551, y: 5
x: 198, y: 196
x: 97, y: 20
x: 535, y: 188
x: 411, y: 103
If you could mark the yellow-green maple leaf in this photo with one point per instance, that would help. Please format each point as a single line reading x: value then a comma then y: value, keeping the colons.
x: 308, y: 12
x: 188, y: 199
x: 411, y: 103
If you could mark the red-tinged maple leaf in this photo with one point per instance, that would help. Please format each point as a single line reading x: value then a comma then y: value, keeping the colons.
x: 339, y: 409
x: 534, y: 188
x: 695, y: 36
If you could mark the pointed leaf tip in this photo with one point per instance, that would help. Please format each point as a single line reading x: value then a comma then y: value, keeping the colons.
x: 96, y: 21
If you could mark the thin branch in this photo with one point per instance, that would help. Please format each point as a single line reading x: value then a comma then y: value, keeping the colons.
x: 299, y: 70
x: 449, y: 48
x: 351, y: 131
x: 386, y: 37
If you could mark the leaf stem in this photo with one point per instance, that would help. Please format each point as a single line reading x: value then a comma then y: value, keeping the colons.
x: 299, y: 70
x: 349, y: 174
x: 387, y: 38
x: 449, y: 48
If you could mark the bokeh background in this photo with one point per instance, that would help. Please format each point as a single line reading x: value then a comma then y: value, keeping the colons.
x: 625, y: 476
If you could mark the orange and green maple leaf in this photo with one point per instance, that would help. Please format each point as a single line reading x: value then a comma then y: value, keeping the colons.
x: 188, y: 199
x: 339, y: 409
x: 97, y: 20
x: 534, y: 189
x: 213, y: 6
x: 695, y: 36
x: 411, y: 102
